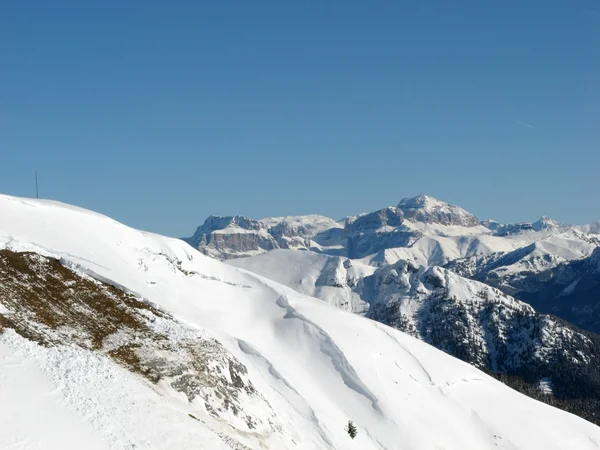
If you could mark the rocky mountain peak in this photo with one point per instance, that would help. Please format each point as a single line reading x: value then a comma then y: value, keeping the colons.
x: 545, y: 223
x: 424, y: 208
x: 421, y: 201
x: 491, y: 224
x: 214, y: 223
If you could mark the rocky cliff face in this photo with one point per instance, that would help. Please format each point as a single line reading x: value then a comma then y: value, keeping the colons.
x: 239, y: 236
x: 371, y: 233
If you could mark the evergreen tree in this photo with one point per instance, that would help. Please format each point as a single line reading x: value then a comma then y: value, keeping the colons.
x: 351, y: 429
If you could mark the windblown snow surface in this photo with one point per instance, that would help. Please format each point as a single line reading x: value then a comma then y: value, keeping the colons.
x: 316, y: 366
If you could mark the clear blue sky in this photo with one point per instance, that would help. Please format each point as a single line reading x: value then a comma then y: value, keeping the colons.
x: 161, y: 113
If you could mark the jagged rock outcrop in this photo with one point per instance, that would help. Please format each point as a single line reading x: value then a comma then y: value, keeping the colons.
x: 226, y: 237
x: 369, y: 233
x: 239, y: 236
x: 512, y: 229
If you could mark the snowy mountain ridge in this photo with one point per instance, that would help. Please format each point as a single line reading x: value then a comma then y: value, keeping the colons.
x: 120, y: 386
x: 422, y: 229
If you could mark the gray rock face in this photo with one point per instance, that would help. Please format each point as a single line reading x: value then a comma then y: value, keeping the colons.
x: 388, y: 228
x: 371, y: 233
x: 364, y: 244
x: 239, y: 236
x: 204, y: 233
x: 225, y: 237
x: 230, y: 243
x: 387, y: 217
x: 290, y: 236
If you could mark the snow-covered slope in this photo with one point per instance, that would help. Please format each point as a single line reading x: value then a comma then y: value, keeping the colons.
x: 67, y: 398
x: 330, y: 278
x: 468, y: 319
x: 440, y: 250
x: 316, y: 366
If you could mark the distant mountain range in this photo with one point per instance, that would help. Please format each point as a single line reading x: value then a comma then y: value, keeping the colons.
x: 435, y: 271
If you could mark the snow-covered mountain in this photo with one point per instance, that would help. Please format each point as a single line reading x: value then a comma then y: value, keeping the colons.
x: 115, y: 338
x: 505, y: 269
x: 544, y: 223
x: 422, y: 229
x: 423, y: 208
x: 570, y: 289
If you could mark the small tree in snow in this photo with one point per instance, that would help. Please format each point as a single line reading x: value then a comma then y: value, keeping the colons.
x: 351, y: 429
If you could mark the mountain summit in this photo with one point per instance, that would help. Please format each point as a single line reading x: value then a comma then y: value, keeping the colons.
x: 545, y: 223
x: 424, y: 208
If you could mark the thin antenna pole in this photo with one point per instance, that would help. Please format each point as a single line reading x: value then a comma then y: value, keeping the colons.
x: 37, y: 191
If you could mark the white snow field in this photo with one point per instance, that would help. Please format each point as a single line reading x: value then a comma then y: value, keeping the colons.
x: 317, y: 366
x: 329, y: 278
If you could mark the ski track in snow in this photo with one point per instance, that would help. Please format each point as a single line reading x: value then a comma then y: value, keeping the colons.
x: 416, y: 360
